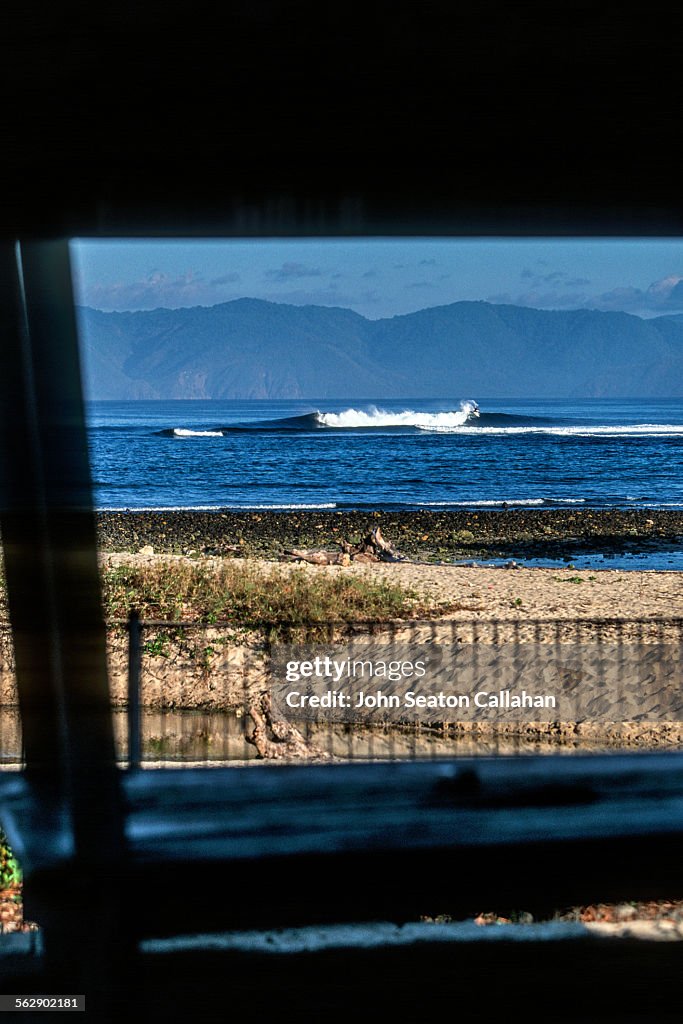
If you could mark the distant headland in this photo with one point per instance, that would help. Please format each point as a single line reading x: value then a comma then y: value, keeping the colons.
x: 253, y: 349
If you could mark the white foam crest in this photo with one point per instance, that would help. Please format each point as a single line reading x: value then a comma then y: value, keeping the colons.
x: 635, y: 430
x: 160, y: 508
x: 183, y: 432
x: 375, y: 417
x: 211, y: 508
x: 322, y: 504
x: 483, y: 503
x: 486, y: 504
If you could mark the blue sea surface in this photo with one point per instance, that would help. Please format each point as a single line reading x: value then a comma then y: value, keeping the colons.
x: 402, y: 454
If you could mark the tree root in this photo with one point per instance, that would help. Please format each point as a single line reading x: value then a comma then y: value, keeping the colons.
x: 277, y: 739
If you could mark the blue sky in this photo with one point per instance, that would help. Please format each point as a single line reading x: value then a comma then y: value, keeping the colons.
x: 384, y: 277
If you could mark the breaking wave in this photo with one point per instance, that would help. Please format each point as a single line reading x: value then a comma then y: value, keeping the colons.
x: 354, y: 419
x: 467, y: 419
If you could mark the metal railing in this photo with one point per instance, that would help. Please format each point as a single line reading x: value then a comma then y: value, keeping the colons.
x: 640, y: 655
x: 184, y: 691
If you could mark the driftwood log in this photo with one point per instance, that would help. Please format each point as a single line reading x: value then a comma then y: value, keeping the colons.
x: 372, y: 548
x: 318, y: 557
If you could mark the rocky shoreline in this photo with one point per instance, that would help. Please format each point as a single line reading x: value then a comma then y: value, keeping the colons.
x: 425, y: 535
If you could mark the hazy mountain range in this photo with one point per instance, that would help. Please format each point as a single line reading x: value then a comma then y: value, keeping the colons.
x: 249, y: 348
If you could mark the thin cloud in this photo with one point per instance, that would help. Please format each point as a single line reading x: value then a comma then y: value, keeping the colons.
x: 553, y: 277
x: 290, y: 270
x: 155, y: 290
x: 541, y: 299
x: 226, y: 279
x: 661, y: 297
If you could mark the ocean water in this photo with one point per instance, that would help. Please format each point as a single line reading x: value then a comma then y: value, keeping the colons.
x: 402, y: 454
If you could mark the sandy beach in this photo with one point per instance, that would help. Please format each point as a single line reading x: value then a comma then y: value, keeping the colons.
x: 509, y: 594
x: 518, y: 594
x: 430, y: 541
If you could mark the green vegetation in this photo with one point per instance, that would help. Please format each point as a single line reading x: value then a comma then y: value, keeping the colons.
x: 10, y: 872
x: 244, y: 594
x: 158, y: 647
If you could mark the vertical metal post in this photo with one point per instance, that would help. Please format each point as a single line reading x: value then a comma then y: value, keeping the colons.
x: 134, y: 660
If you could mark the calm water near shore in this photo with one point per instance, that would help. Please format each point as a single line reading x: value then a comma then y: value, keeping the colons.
x: 179, y: 737
x: 660, y: 559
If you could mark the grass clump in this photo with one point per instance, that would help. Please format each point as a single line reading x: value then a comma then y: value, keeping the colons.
x: 10, y: 872
x: 244, y: 594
